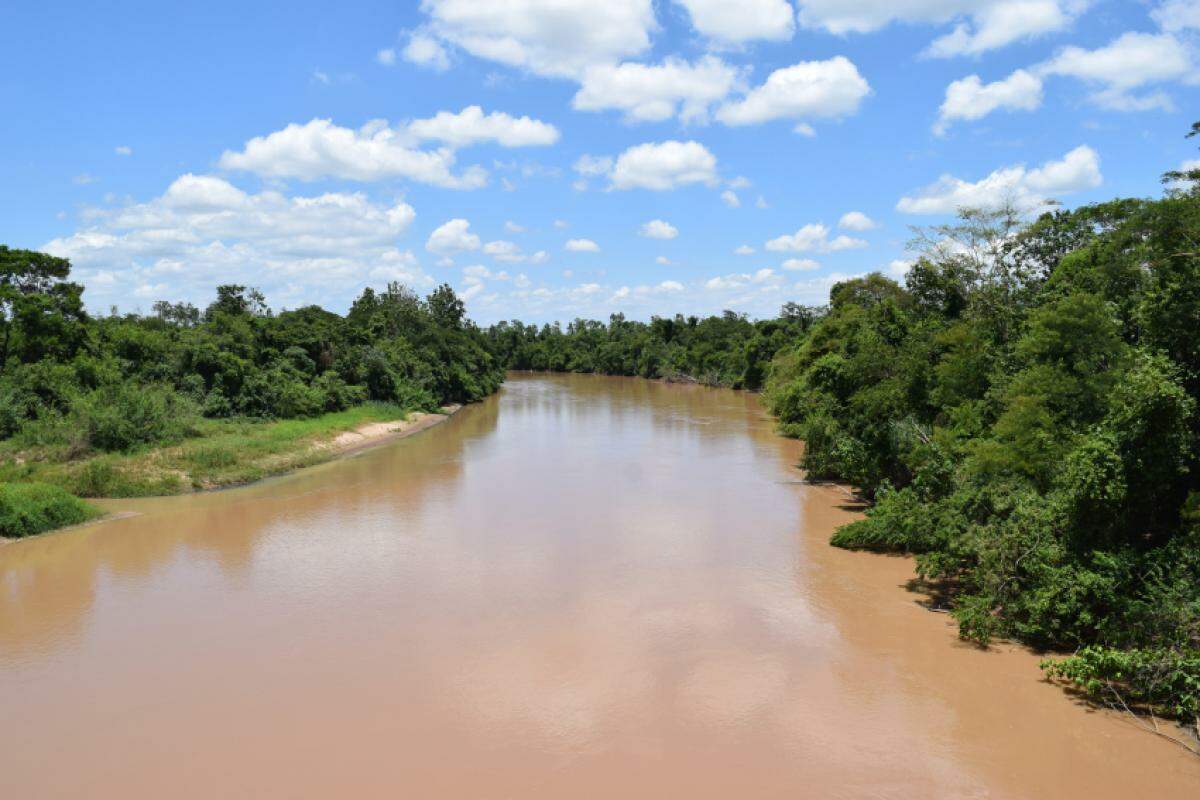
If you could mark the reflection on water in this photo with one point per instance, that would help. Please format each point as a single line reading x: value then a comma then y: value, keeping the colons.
x: 586, y: 587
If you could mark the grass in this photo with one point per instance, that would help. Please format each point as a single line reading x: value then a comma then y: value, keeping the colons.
x: 219, y: 453
x: 30, y: 508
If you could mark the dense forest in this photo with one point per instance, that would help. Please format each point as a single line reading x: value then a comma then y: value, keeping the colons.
x: 727, y: 350
x: 1021, y: 414
x: 74, y: 386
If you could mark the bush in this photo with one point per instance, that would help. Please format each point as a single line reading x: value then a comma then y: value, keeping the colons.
x: 29, y: 508
x: 123, y: 416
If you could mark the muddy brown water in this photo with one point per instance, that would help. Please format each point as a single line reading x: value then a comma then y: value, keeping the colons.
x: 585, y: 587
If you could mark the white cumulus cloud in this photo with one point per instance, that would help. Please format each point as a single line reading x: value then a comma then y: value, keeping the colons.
x: 1027, y: 189
x: 971, y: 99
x: 581, y: 246
x: 979, y: 25
x: 425, y: 51
x: 471, y: 126
x: 453, y: 236
x: 813, y: 237
x: 558, y: 38
x: 591, y: 166
x: 739, y: 21
x: 664, y: 165
x: 1129, y: 63
x: 856, y: 221
x: 808, y: 90
x: 204, y: 231
x: 1177, y: 15
x: 658, y: 229
x: 504, y: 251
x: 319, y: 149
x: 656, y: 92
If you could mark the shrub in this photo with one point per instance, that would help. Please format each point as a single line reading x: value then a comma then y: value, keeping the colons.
x: 123, y: 416
x: 29, y: 508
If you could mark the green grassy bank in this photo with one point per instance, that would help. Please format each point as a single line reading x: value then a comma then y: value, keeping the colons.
x: 213, y: 453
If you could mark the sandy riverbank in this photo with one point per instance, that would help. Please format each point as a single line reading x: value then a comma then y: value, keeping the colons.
x: 374, y: 434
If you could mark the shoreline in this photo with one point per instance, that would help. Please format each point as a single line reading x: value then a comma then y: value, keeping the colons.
x: 376, y: 434
x: 344, y: 444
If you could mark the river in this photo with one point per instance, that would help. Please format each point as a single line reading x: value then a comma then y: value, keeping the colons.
x: 584, y: 587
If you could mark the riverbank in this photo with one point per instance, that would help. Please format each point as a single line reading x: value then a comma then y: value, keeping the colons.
x: 223, y: 453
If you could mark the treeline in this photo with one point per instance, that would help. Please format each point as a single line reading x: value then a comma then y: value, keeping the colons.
x: 1021, y: 413
x: 73, y: 385
x: 727, y: 350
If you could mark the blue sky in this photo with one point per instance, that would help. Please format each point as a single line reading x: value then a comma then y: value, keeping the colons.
x: 562, y: 158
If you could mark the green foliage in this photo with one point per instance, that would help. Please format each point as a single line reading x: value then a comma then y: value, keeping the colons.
x: 90, y: 403
x: 124, y: 415
x: 725, y: 350
x: 1023, y: 414
x: 30, y: 508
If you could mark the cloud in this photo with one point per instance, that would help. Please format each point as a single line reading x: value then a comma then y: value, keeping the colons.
x: 981, y: 25
x: 971, y: 99
x: 730, y: 198
x: 800, y: 265
x: 453, y: 236
x: 423, y: 50
x: 123, y: 150
x: 561, y: 224
x: 1130, y: 62
x: 765, y: 275
x: 471, y: 126
x: 513, y: 227
x: 591, y: 166
x: 808, y: 90
x: 656, y: 92
x: 83, y: 179
x: 744, y: 250
x: 664, y: 165
x: 734, y: 22
x: 995, y: 25
x: 504, y: 251
x: 319, y: 149
x: 813, y: 237
x: 556, y: 38
x: 581, y: 246
x: 658, y: 229
x: 1177, y: 15
x: 856, y: 221
x: 204, y: 231
x: 664, y: 261
x: 1027, y: 189
x: 386, y: 57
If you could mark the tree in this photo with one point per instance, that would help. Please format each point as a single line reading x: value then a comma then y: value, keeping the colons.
x: 39, y: 310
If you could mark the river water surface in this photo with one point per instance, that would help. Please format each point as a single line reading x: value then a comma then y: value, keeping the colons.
x: 584, y: 587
